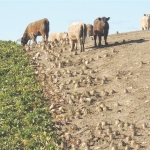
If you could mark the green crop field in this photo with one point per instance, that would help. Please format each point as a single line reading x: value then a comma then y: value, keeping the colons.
x: 25, y: 122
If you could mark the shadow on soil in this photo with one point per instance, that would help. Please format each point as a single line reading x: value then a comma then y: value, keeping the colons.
x: 121, y: 43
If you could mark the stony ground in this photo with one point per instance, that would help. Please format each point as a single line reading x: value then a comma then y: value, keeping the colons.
x: 100, y: 98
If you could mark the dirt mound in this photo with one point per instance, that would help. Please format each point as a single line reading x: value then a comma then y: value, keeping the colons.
x: 99, y: 98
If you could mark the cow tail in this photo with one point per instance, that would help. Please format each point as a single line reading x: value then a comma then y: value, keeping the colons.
x: 48, y: 25
x: 85, y: 31
x: 47, y: 29
x: 83, y: 35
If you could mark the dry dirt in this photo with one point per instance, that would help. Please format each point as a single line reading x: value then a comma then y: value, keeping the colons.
x: 100, y: 98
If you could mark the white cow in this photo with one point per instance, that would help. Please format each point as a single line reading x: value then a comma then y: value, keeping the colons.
x: 77, y: 33
x: 145, y: 22
x: 59, y: 36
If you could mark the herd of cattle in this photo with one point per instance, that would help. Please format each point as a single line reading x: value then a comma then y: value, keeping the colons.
x: 77, y: 31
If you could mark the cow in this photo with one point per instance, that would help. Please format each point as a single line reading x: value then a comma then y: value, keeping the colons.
x: 59, y: 36
x: 145, y: 22
x: 37, y: 28
x: 77, y: 33
x: 89, y: 30
x: 101, y: 28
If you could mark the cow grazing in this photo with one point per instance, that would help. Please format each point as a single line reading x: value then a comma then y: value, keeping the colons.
x: 37, y: 28
x: 101, y: 28
x: 59, y: 36
x: 77, y: 33
x: 145, y: 22
x: 89, y: 30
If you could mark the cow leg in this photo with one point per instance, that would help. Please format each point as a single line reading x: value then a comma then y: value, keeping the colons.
x: 145, y: 28
x: 80, y: 44
x: 95, y: 45
x: 72, y: 45
x: 43, y: 38
x: 33, y: 38
x: 75, y: 45
x: 83, y: 47
x: 36, y: 40
x: 99, y: 44
x: 46, y: 38
x: 105, y: 38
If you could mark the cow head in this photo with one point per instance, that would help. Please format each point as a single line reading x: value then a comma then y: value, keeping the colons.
x: 24, y: 39
x: 147, y: 15
x: 104, y: 19
x: 99, y: 18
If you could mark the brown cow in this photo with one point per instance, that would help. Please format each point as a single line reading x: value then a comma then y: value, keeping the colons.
x: 101, y: 28
x: 37, y: 28
x: 89, y: 30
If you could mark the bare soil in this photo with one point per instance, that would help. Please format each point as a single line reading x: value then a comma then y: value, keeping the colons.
x: 100, y: 98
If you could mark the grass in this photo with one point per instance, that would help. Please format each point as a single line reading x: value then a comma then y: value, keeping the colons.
x: 25, y: 122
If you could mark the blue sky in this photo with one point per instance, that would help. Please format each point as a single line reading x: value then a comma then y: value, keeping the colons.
x: 15, y: 15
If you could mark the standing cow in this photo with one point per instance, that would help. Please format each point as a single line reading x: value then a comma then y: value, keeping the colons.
x: 145, y: 22
x: 77, y: 33
x: 89, y: 30
x: 37, y: 28
x: 101, y: 28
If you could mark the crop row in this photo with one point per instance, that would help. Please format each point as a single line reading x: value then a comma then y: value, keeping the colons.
x: 25, y: 122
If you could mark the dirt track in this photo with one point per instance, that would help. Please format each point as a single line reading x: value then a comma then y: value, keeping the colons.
x: 100, y: 98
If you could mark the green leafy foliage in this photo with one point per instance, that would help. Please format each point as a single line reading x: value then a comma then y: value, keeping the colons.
x: 25, y: 122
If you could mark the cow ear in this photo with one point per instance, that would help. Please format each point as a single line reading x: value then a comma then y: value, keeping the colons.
x: 144, y: 14
x: 99, y: 18
x: 108, y: 18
